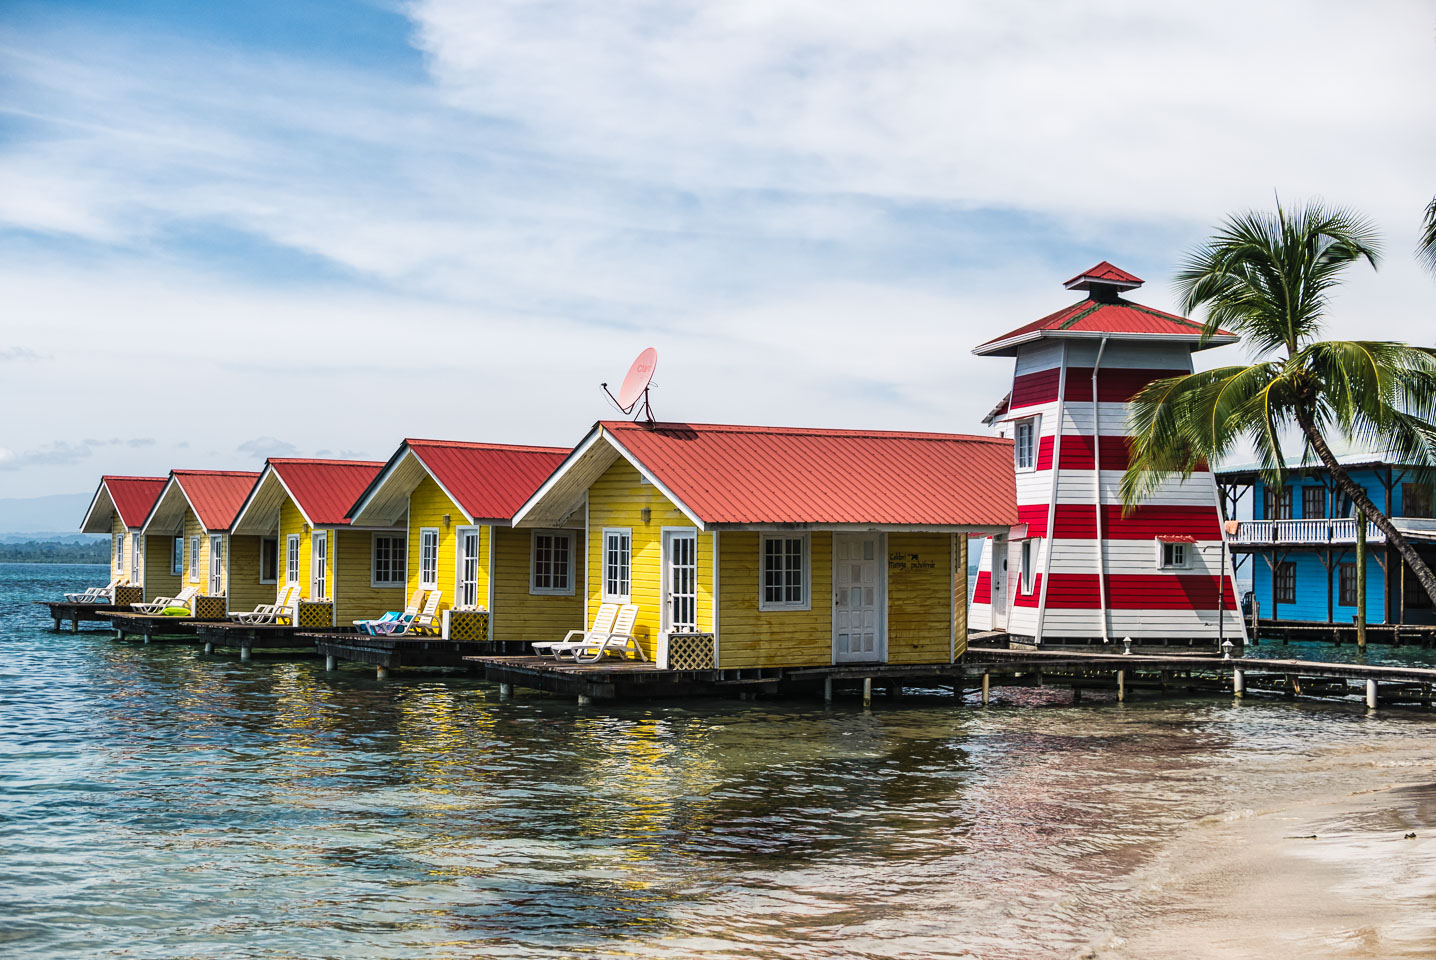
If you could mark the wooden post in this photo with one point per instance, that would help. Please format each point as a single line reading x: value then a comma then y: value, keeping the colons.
x: 1361, y: 581
x: 1121, y: 685
x: 506, y: 690
x: 381, y: 673
x: 827, y: 689
x: 244, y: 652
x: 1076, y: 694
x: 209, y: 646
x: 330, y: 662
x: 1239, y: 683
x: 867, y: 692
x: 1371, y: 694
x: 1256, y: 616
x: 584, y: 700
x: 986, y: 688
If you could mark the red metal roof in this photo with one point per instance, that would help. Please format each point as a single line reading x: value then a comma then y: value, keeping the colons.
x: 216, y: 495
x: 1105, y: 271
x: 325, y: 489
x: 133, y: 497
x: 490, y: 481
x: 775, y: 475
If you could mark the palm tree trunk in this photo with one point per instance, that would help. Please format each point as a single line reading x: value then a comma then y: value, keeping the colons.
x: 1363, y: 503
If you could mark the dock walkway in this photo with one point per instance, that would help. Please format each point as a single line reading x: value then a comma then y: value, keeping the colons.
x: 77, y: 613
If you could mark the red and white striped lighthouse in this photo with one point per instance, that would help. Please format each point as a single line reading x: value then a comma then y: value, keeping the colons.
x: 1081, y: 571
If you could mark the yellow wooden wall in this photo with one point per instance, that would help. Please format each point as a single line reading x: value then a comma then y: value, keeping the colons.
x: 749, y: 637
x: 242, y: 588
x: 193, y: 529
x: 520, y: 615
x: 159, y: 581
x: 291, y: 521
x: 351, y: 575
x: 617, y: 499
x: 427, y: 506
x: 959, y: 595
x: 920, y: 597
x: 119, y: 534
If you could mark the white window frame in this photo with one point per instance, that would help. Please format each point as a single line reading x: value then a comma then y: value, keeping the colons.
x: 216, y: 570
x: 1185, y: 563
x: 194, y: 559
x: 120, y: 551
x: 807, y: 566
x: 460, y: 533
x: 427, y: 536
x: 319, y: 565
x: 1027, y: 555
x: 1034, y: 424
x: 177, y: 556
x: 627, y: 578
x: 291, y: 559
x: 135, y: 560
x: 262, y: 542
x: 538, y: 591
x: 402, y: 567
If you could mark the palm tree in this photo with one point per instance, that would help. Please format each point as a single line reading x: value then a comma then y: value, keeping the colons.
x: 1426, y: 252
x: 1268, y: 278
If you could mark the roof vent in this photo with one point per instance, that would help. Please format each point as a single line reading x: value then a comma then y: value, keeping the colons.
x: 1104, y: 281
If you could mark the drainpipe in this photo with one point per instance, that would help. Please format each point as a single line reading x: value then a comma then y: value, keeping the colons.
x: 1052, y: 495
x: 1097, y: 487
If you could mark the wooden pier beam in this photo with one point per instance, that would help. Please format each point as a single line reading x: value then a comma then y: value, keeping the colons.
x: 244, y: 652
x: 506, y: 691
x: 331, y: 662
x: 1121, y: 686
x: 1371, y: 698
x: 827, y: 689
x: 986, y: 688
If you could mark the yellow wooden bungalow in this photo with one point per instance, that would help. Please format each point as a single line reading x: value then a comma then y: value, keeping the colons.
x: 192, y: 516
x: 455, y: 502
x: 343, y: 572
x: 119, y: 508
x: 755, y: 547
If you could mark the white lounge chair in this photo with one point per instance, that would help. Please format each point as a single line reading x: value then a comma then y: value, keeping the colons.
x: 159, y: 603
x: 424, y: 623
x: 391, y: 620
x: 266, y: 612
x: 97, y: 594
x: 602, y: 627
x: 619, y: 642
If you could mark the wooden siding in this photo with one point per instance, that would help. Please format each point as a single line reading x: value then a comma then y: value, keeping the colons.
x: 617, y: 499
x: 519, y: 614
x: 158, y: 560
x: 750, y: 637
x: 243, y: 589
x: 427, y: 506
x: 193, y: 529
x: 291, y: 522
x: 920, y: 597
x: 352, y: 573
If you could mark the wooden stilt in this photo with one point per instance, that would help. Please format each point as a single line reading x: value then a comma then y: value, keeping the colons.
x: 244, y: 652
x: 381, y: 673
x: 506, y: 690
x: 867, y: 691
x: 986, y: 688
x: 1239, y: 683
x: 209, y: 646
x: 1371, y: 699
x: 330, y: 662
x: 584, y: 700
x: 828, y: 690
x: 1121, y: 686
x: 1076, y: 695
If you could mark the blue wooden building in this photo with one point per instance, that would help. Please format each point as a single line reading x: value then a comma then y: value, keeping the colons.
x: 1301, y: 541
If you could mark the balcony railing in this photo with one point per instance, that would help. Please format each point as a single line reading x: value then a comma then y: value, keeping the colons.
x: 1336, y: 530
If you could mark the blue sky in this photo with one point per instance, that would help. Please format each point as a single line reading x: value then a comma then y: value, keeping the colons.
x: 232, y: 229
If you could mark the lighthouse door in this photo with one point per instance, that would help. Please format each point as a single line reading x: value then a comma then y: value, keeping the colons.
x: 999, y: 583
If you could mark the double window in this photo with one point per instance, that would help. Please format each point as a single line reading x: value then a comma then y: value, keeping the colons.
x: 1173, y: 555
x: 429, y: 558
x: 319, y: 566
x: 1024, y: 437
x: 551, y: 566
x: 194, y: 559
x: 388, y: 553
x: 216, y: 565
x: 268, y: 559
x: 617, y: 563
x: 1278, y: 503
x: 1313, y: 502
x: 1285, y: 589
x: 784, y: 563
x: 291, y: 559
x: 1416, y: 500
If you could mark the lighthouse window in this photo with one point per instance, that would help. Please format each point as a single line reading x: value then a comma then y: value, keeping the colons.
x: 1174, y: 555
x: 1029, y: 564
x: 1025, y: 441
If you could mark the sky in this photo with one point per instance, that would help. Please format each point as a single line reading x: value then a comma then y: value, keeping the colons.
x: 236, y: 230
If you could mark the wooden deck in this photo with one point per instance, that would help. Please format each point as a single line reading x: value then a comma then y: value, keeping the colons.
x: 247, y: 637
x: 78, y: 613
x: 387, y: 652
x: 153, y: 626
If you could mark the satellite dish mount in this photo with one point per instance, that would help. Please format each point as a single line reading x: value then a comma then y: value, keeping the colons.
x: 633, y: 395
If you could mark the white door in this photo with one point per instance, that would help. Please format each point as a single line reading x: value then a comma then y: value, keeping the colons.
x: 468, y: 585
x: 859, y: 603
x: 216, y: 565
x: 680, y: 580
x: 999, y: 549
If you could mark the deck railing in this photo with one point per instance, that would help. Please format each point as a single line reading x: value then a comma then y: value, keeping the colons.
x: 1335, y: 530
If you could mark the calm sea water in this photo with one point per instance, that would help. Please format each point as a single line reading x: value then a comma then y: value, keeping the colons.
x: 155, y: 802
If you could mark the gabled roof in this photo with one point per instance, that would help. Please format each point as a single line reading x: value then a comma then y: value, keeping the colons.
x: 487, y: 481
x: 742, y: 476
x: 322, y: 490
x: 130, y: 497
x: 215, y: 496
x: 1104, y: 314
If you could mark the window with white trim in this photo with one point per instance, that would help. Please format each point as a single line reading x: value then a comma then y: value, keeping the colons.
x: 551, y: 562
x: 387, y: 554
x: 784, y: 568
x: 194, y: 559
x: 1024, y: 447
x: 466, y: 567
x: 177, y: 556
x: 119, y: 553
x: 1173, y: 555
x: 617, y: 563
x: 268, y: 559
x: 216, y: 564
x: 135, y: 560
x: 1027, y: 567
x: 319, y: 566
x: 429, y: 557
x: 291, y: 559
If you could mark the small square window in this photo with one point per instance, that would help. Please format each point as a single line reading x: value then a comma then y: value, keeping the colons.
x: 1174, y: 554
x: 784, y: 562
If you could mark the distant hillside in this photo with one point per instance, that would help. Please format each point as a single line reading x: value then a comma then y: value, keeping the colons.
x: 58, y: 514
x: 46, y: 551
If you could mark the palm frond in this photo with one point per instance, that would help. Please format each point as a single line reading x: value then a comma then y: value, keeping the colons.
x: 1426, y: 250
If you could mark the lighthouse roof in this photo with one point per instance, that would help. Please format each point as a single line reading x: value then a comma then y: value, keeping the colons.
x: 1105, y: 314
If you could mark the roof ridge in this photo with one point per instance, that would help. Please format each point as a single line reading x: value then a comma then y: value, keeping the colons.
x: 328, y: 461
x: 217, y: 473
x: 106, y: 477
x: 931, y: 435
x: 485, y: 445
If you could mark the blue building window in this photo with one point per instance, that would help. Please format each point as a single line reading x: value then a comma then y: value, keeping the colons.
x: 1313, y: 502
x: 1346, y: 593
x: 1416, y: 499
x: 1286, y: 582
x: 1278, y: 504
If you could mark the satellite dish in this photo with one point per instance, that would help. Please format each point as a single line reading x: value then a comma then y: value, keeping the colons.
x: 636, y: 383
